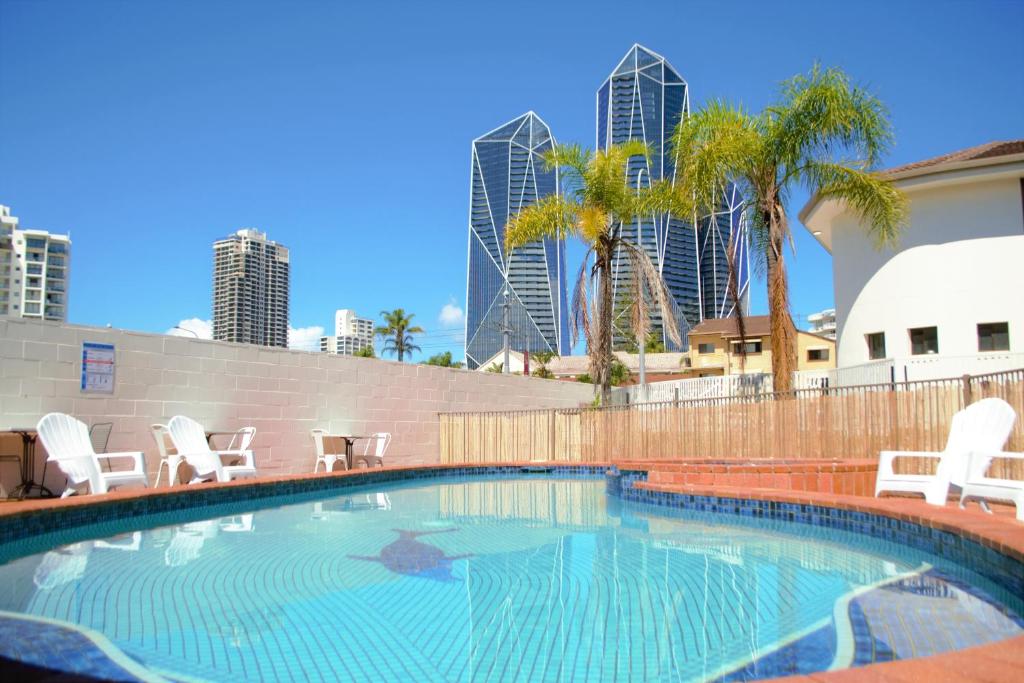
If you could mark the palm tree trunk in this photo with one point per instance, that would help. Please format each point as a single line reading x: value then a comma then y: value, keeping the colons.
x: 601, y: 357
x: 782, y: 330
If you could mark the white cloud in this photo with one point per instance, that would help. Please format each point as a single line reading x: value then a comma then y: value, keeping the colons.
x: 451, y: 315
x: 305, y: 338
x: 202, y: 328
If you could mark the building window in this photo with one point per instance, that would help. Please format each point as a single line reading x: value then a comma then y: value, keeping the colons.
x: 993, y: 337
x: 751, y: 348
x: 924, y: 340
x: 705, y: 348
x: 817, y: 354
x: 876, y: 345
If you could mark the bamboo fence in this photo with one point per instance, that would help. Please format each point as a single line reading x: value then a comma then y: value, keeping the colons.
x: 841, y: 423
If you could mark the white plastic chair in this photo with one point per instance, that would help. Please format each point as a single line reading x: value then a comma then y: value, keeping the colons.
x: 982, y: 426
x: 190, y: 441
x: 981, y: 487
x: 328, y: 459
x: 167, y: 459
x: 62, y: 566
x: 238, y: 522
x: 379, y: 442
x: 67, y: 443
x: 188, y: 542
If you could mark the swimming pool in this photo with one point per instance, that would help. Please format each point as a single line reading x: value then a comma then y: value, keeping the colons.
x: 518, y: 578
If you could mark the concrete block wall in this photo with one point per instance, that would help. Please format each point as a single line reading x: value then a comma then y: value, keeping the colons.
x: 282, y: 393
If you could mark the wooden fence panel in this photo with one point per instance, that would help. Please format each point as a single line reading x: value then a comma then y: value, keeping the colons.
x: 845, y: 423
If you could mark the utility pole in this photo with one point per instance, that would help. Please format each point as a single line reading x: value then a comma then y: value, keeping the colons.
x: 506, y: 330
x: 643, y: 369
x: 640, y: 343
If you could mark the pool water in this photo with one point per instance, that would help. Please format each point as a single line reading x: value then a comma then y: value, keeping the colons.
x: 504, y: 579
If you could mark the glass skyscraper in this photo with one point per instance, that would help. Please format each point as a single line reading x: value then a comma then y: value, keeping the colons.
x: 507, y: 175
x: 644, y: 98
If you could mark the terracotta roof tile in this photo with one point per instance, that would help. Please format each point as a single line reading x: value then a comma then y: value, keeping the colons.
x: 754, y: 326
x: 986, y: 151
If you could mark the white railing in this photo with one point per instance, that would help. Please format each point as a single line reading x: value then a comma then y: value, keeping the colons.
x: 701, y: 388
x: 812, y: 379
x: 875, y: 373
x: 938, y: 367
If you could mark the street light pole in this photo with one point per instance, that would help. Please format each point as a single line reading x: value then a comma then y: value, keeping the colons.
x: 640, y: 343
x: 506, y: 330
x: 183, y: 329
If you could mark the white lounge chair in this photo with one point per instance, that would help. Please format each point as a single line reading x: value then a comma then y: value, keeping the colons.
x: 981, y: 487
x: 67, y: 443
x: 190, y: 441
x: 379, y: 442
x: 982, y: 426
x: 328, y: 459
x: 167, y: 459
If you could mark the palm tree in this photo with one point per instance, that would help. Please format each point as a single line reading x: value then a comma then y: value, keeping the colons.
x: 601, y: 201
x: 543, y: 358
x: 824, y: 134
x: 397, y: 332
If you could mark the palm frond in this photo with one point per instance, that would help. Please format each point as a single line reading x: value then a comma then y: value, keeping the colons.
x: 712, y: 147
x: 822, y: 115
x: 572, y: 156
x: 553, y: 216
x: 874, y: 197
x: 647, y: 277
x: 580, y: 315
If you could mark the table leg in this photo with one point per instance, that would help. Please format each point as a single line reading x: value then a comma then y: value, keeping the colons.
x: 348, y: 452
x: 28, y: 449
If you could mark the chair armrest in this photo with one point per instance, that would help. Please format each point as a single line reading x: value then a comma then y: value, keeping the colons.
x: 886, y: 458
x: 245, y: 455
x: 135, y: 456
x: 978, y: 462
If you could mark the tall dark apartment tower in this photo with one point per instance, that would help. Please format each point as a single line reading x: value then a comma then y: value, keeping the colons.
x: 507, y: 174
x: 644, y: 98
x: 250, y: 290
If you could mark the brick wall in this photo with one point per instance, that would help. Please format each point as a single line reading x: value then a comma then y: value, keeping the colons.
x: 282, y: 393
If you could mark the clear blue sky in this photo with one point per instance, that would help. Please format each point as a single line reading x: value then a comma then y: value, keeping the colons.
x: 150, y: 129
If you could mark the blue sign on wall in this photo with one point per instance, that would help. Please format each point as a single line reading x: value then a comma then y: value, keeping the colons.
x: 97, y: 368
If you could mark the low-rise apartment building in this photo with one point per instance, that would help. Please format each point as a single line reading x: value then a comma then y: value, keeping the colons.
x: 716, y: 348
x: 351, y: 334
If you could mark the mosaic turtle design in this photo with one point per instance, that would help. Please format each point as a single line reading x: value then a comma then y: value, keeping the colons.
x: 410, y: 557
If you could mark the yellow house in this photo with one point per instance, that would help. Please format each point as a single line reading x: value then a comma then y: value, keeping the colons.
x: 715, y: 348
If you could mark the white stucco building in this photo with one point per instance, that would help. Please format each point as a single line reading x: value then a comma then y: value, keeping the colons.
x: 950, y: 297
x: 351, y: 334
x: 823, y: 323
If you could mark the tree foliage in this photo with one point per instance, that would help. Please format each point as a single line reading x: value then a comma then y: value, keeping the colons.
x: 824, y: 134
x: 443, y: 360
x: 542, y: 358
x: 604, y: 195
x: 366, y: 352
x: 397, y: 333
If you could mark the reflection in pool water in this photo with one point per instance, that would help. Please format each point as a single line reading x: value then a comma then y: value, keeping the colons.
x: 504, y: 579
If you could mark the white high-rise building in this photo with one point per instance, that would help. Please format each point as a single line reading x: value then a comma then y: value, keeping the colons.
x: 250, y: 289
x: 34, y: 268
x: 823, y: 323
x: 351, y: 334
